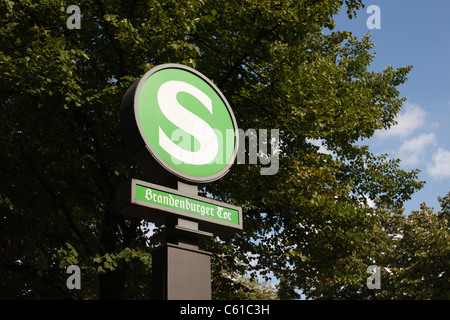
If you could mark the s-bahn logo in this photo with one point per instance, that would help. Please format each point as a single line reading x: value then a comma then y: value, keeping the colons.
x: 185, y: 122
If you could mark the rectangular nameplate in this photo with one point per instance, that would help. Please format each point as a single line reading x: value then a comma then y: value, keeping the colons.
x: 160, y: 204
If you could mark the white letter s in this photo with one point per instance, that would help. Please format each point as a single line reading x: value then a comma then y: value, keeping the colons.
x: 187, y: 121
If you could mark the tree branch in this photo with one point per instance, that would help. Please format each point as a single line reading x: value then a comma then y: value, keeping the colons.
x: 117, y: 48
x: 63, y: 207
x: 263, y: 33
x: 28, y: 270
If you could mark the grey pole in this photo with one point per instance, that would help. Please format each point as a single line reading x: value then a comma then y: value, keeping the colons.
x: 180, y: 271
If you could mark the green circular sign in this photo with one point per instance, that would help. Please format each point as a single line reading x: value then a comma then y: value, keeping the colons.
x: 186, y: 123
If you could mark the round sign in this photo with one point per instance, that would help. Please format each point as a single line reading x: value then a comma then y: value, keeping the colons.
x: 185, y: 123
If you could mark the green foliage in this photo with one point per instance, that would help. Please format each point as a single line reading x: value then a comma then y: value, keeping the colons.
x: 111, y: 261
x: 416, y: 254
x: 61, y: 155
x: 247, y: 288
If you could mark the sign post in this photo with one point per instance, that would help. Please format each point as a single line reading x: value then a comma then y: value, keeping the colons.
x: 181, y: 130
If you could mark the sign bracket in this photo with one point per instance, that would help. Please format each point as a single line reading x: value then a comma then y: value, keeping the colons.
x: 182, y: 235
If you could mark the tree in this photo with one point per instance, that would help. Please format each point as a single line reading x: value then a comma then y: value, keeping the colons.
x: 416, y: 254
x: 62, y: 158
x: 245, y: 288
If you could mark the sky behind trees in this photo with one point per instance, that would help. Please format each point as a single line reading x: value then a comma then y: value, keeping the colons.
x: 414, y: 33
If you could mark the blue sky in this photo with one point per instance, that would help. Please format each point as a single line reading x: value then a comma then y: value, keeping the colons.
x: 417, y: 33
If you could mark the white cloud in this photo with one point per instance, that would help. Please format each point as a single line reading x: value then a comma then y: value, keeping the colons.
x: 440, y: 167
x: 412, y: 151
x: 408, y: 121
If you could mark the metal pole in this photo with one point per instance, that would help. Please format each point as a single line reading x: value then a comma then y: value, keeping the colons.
x: 180, y: 271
